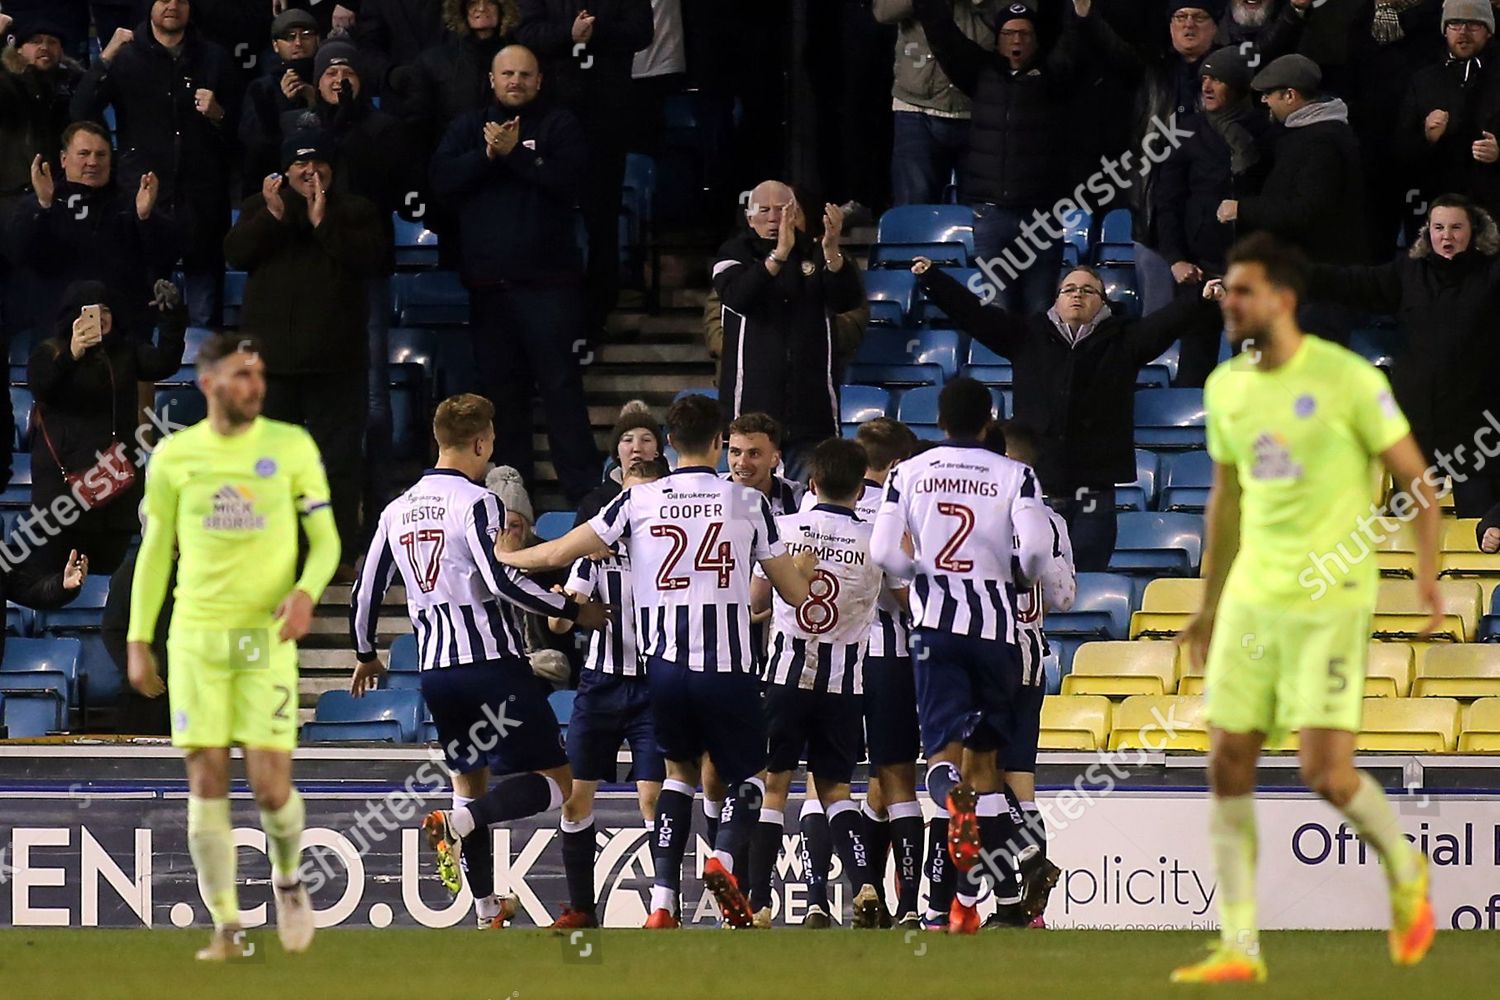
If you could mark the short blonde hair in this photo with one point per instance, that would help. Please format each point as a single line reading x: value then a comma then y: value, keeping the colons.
x: 462, y: 418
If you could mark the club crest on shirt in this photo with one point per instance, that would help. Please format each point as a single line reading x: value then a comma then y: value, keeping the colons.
x: 809, y: 268
x: 1273, y: 460
x: 234, y: 510
x: 265, y: 468
x: 1305, y: 405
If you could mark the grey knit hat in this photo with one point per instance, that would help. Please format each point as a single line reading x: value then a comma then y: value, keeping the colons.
x: 505, y: 483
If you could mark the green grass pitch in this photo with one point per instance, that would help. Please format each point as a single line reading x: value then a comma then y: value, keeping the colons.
x: 532, y: 965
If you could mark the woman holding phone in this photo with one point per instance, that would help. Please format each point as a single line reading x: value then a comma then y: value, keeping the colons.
x: 83, y: 428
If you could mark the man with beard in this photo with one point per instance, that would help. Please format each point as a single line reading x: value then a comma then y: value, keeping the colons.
x: 285, y: 84
x: 1271, y: 27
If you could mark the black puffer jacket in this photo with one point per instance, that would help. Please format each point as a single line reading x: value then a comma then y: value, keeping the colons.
x: 305, y: 297
x: 88, y: 403
x: 1314, y: 193
x: 1018, y: 132
x: 778, y: 354
x: 1447, y: 310
x: 33, y: 114
x: 449, y: 80
x: 1079, y: 397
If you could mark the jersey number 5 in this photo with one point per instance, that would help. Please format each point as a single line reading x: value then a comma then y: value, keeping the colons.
x: 713, y: 556
x: 947, y: 560
x: 424, y: 550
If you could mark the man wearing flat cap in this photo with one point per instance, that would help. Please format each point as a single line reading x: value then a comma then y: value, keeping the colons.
x: 309, y: 250
x: 285, y: 83
x: 1445, y: 133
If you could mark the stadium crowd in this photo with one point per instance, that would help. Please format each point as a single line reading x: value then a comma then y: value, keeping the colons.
x: 149, y: 147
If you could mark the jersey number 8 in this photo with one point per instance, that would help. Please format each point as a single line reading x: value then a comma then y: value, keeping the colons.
x: 819, y: 613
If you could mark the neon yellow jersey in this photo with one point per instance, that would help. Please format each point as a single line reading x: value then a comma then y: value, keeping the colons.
x: 1306, y: 439
x: 231, y: 506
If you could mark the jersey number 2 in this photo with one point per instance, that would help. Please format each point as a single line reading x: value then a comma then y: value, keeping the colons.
x: 713, y: 555
x: 424, y: 550
x: 947, y: 560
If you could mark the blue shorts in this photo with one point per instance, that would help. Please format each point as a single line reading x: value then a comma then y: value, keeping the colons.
x: 966, y: 689
x: 493, y: 714
x: 891, y: 711
x: 1026, y: 728
x: 704, y: 711
x: 610, y: 710
x: 826, y: 727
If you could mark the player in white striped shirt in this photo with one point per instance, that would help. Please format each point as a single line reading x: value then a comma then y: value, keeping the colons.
x: 815, y: 673
x: 440, y: 536
x: 612, y: 706
x: 969, y: 514
x: 692, y: 540
x: 1054, y: 591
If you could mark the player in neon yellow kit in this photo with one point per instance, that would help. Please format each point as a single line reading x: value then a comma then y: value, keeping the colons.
x: 1295, y: 427
x: 228, y: 494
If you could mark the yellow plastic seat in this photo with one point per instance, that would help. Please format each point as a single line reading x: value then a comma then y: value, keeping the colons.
x: 1481, y: 730
x: 1460, y: 599
x: 1075, y: 722
x: 1396, y: 554
x: 1144, y: 722
x: 1178, y: 595
x: 1388, y: 670
x: 1471, y: 670
x: 1458, y: 534
x: 1157, y: 624
x: 1121, y: 668
x: 1409, y: 725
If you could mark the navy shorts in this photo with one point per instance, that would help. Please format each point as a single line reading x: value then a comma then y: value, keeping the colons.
x: 891, y: 711
x: 704, y: 711
x: 966, y: 689
x: 610, y: 710
x: 1026, y: 729
x: 495, y: 715
x: 826, y: 727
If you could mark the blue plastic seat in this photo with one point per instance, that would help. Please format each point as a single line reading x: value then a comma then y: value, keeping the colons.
x: 18, y: 620
x: 898, y: 287
x: 31, y: 712
x: 192, y: 340
x: 1169, y: 419
x: 1376, y: 345
x: 1168, y: 359
x: 990, y: 374
x: 894, y: 376
x: 431, y: 298
x: 858, y: 403
x: 1101, y: 608
x: 365, y: 731
x: 234, y: 296
x: 927, y: 432
x: 920, y: 405
x: 1077, y: 233
x: 981, y: 355
x: 427, y: 733
x: 20, y: 409
x: 928, y: 313
x: 562, y: 705
x: 1165, y: 544
x: 938, y: 347
x: 927, y: 224
x: 1120, y: 289
x: 554, y: 524
x: 404, y: 656
x: 1141, y: 494
x: 709, y: 391
x: 900, y: 255
x: 1185, y: 482
x: 401, y: 680
x: 1116, y: 245
x: 404, y: 707
x: 416, y: 245
x: 1153, y: 377
x: 886, y: 314
x: 183, y: 405
x: 1066, y: 647
x: 184, y: 375
x: 18, y: 492
x: 48, y: 655
x: 412, y: 345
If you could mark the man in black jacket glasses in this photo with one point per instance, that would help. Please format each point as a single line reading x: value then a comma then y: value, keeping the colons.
x: 1075, y: 368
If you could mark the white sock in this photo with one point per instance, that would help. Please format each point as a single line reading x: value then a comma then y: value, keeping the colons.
x: 487, y: 907
x: 663, y: 898
x: 726, y: 859
x: 461, y: 819
x: 576, y: 825
x: 773, y: 817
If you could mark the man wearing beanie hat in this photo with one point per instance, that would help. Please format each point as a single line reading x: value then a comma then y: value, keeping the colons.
x: 1210, y: 166
x: 36, y: 84
x: 1446, y: 129
x: 175, y: 96
x: 309, y: 249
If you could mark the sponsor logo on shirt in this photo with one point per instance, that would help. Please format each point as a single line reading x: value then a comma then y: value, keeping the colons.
x: 1273, y: 460
x: 234, y: 510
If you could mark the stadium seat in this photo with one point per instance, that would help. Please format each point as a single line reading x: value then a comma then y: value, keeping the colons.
x: 1101, y: 608
x: 1396, y: 554
x: 859, y: 403
x: 900, y: 255
x: 416, y: 245
x: 1168, y: 359
x: 981, y: 355
x: 20, y: 410
x: 1123, y: 668
x: 368, y: 731
x: 894, y: 376
x: 1481, y: 729
x: 49, y: 655
x: 30, y: 712
x: 1159, y: 544
x: 1186, y: 478
x: 1066, y: 648
x: 404, y: 707
x: 1141, y: 494
x: 992, y: 375
x: 234, y: 296
x: 1075, y: 722
x: 898, y: 287
x: 18, y: 620
x: 928, y: 313
x: 1120, y: 290
x: 920, y: 405
x: 562, y: 705
x: 18, y: 492
x: 431, y: 298
x: 1170, y: 722
x: 1115, y: 245
x: 100, y: 682
x: 1169, y: 418
x: 1388, y: 670
x: 554, y: 524
x: 1153, y: 377
x: 1459, y: 534
x: 403, y: 655
x: 1459, y: 671
x: 1375, y: 345
x: 1398, y: 601
x: 927, y: 224
x: 181, y: 404
x: 1409, y: 725
x: 905, y: 347
x: 427, y: 732
x: 1166, y: 607
x: 193, y: 339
